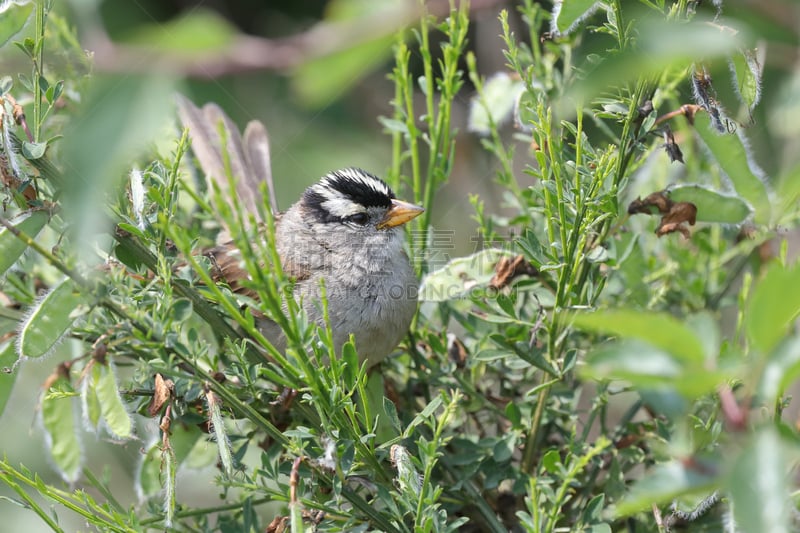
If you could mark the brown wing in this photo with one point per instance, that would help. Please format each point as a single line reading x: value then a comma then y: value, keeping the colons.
x: 226, y: 266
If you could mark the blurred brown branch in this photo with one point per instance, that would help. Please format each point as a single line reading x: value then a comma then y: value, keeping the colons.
x: 249, y: 53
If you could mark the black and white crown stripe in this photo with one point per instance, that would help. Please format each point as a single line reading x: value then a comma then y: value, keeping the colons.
x: 343, y: 193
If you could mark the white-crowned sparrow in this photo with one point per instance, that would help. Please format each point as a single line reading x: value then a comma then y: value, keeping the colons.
x: 345, y: 230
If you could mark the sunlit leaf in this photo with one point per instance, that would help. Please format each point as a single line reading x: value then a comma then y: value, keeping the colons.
x: 58, y: 419
x: 500, y: 93
x: 649, y: 368
x: 774, y: 304
x: 11, y: 247
x: 13, y: 17
x: 660, y: 330
x: 759, y: 486
x: 733, y: 157
x: 460, y: 276
x: 115, y: 416
x: 49, y: 319
x: 567, y: 14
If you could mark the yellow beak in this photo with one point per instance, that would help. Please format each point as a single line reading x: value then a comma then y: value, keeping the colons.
x: 400, y: 213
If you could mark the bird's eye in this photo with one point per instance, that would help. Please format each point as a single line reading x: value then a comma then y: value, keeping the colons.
x: 359, y: 218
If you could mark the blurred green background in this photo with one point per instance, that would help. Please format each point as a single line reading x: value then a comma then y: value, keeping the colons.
x: 321, y: 101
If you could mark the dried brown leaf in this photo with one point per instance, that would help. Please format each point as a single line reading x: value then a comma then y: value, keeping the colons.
x: 679, y: 213
x: 161, y: 393
x: 508, y: 269
x: 654, y: 203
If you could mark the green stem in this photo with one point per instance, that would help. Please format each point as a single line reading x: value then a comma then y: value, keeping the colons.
x: 38, y: 56
x: 96, y: 515
x: 205, y: 511
x: 30, y: 502
x: 529, y: 453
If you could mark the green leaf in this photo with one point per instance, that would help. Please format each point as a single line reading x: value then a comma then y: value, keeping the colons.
x: 460, y: 276
x: 503, y: 449
x: 650, y: 368
x: 633, y: 361
x: 513, y: 413
x: 707, y: 330
x: 711, y: 205
x: 661, y: 46
x: 781, y: 370
x: 390, y: 409
x: 8, y: 356
x: 319, y: 81
x: 528, y: 353
x: 11, y: 247
x: 33, y: 150
x: 200, y: 30
x: 734, y: 158
x: 533, y: 249
x: 89, y: 403
x: 567, y: 14
x: 354, y: 38
x: 507, y: 305
x: 350, y: 360
x: 44, y: 85
x: 49, y: 319
x: 759, y: 487
x: 54, y: 92
x: 747, y: 72
x: 500, y: 93
x: 593, y: 512
x: 115, y: 415
x: 13, y: 17
x: 98, y: 151
x: 148, y: 474
x: 181, y: 310
x: 25, y: 80
x: 6, y: 83
x: 132, y: 229
x: 658, y: 329
x: 663, y: 484
x: 774, y: 304
x: 788, y: 192
x: 551, y: 461
x: 426, y: 413
x: 63, y: 442
x: 393, y: 125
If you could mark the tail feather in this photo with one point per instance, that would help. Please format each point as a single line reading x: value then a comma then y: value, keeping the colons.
x: 216, y: 142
